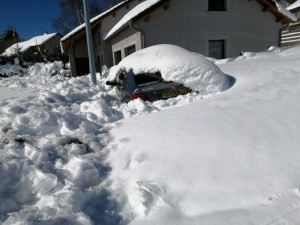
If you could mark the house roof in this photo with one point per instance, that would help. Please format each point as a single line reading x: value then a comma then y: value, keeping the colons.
x: 135, y: 12
x: 294, y: 5
x: 282, y: 14
x: 25, y: 45
x: 285, y: 12
x: 79, y: 32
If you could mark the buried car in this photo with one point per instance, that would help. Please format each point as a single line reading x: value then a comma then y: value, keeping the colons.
x: 147, y: 86
x: 165, y: 71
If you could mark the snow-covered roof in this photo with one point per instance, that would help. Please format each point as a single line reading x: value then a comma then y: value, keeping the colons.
x: 286, y: 12
x: 294, y: 5
x: 82, y: 26
x: 130, y: 15
x: 25, y: 45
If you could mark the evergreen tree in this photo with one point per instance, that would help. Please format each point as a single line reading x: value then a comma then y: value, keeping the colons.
x: 9, y: 37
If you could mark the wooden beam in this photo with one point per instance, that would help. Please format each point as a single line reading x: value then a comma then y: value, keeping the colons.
x: 279, y: 19
x: 147, y: 18
x: 266, y: 8
x: 166, y: 6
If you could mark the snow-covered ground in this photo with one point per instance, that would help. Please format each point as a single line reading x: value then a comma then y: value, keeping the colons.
x: 71, y: 153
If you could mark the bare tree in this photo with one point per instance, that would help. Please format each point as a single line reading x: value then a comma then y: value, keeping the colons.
x: 72, y: 13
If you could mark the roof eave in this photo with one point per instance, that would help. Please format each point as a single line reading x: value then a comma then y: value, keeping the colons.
x: 83, y: 31
x: 138, y: 17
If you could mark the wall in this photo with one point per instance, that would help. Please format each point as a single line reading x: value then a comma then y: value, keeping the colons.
x: 124, y: 42
x: 52, y: 44
x: 189, y: 24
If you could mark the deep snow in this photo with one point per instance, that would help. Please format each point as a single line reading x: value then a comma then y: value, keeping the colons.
x: 71, y: 153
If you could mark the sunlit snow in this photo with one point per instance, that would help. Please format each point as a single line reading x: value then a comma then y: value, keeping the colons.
x: 72, y: 153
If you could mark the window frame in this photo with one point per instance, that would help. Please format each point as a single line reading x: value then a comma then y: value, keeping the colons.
x: 223, y: 48
x: 128, y: 47
x: 115, y: 58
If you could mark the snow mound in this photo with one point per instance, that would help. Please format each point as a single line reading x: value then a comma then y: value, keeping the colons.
x: 272, y: 53
x: 176, y: 64
x: 11, y: 70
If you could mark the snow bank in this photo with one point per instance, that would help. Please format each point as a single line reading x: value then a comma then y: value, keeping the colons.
x: 8, y: 70
x: 272, y: 53
x: 72, y: 153
x: 232, y: 159
x: 178, y: 65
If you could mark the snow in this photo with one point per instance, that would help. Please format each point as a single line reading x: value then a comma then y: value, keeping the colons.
x: 178, y: 65
x: 71, y: 153
x: 130, y: 15
x: 25, y: 45
x: 285, y: 12
x: 296, y: 4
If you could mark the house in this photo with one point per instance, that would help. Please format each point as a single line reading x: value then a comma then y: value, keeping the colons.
x: 291, y: 34
x: 214, y: 28
x: 46, y: 43
x: 75, y: 44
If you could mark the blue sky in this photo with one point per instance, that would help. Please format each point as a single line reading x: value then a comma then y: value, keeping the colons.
x: 30, y: 17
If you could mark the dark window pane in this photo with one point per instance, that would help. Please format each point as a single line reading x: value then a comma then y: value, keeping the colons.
x: 118, y: 57
x: 216, y: 49
x: 129, y: 50
x: 146, y: 78
x: 216, y: 5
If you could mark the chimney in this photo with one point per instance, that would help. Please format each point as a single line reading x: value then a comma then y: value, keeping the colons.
x: 45, y: 32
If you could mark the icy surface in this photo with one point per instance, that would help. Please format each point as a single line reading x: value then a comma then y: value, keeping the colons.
x: 71, y: 153
x: 178, y: 65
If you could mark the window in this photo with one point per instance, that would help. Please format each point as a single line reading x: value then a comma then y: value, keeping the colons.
x: 147, y: 78
x: 216, y: 5
x: 217, y: 49
x: 118, y: 57
x: 129, y: 50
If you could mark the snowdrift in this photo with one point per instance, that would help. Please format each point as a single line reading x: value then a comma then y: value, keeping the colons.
x: 72, y: 153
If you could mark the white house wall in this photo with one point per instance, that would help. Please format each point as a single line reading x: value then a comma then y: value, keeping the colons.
x: 124, y: 42
x: 189, y: 24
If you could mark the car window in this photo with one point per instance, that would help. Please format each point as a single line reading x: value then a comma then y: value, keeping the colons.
x: 147, y: 78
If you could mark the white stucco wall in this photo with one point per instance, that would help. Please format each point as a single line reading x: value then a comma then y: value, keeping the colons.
x: 188, y: 24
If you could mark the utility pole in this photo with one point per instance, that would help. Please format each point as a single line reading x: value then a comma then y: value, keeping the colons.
x: 89, y: 41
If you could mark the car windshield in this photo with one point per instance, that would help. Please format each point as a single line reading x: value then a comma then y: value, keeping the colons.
x: 147, y: 78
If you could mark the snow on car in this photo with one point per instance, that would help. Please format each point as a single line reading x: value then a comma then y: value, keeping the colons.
x: 147, y: 73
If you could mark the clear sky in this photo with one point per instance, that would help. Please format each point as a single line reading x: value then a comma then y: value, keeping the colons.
x: 30, y: 17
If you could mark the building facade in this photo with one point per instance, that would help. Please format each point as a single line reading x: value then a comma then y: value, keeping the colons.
x: 215, y: 30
